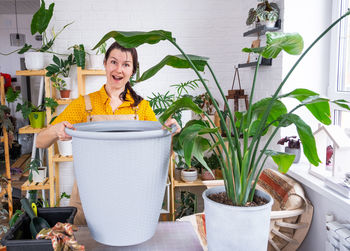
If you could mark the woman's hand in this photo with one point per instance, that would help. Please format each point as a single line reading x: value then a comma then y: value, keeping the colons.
x: 59, y: 130
x: 170, y: 122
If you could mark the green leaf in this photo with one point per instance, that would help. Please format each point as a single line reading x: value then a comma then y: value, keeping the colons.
x: 79, y: 54
x: 319, y: 107
x: 176, y: 61
x: 136, y: 38
x: 306, y: 136
x: 41, y: 18
x: 56, y: 60
x: 184, y: 103
x: 11, y: 95
x: 25, y: 48
x: 342, y: 103
x: 254, y: 50
x: 291, y: 43
x: 15, y: 217
x: 278, y: 108
x: 283, y: 160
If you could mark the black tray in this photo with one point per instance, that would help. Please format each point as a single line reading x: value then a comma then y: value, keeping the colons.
x: 19, y: 238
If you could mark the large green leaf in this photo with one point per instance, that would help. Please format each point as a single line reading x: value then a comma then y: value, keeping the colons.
x: 25, y: 48
x: 278, y: 108
x: 131, y: 39
x: 291, y: 43
x: 342, y: 103
x: 319, y: 107
x: 305, y: 135
x: 180, y: 104
x: 176, y: 61
x: 41, y: 18
x: 283, y: 160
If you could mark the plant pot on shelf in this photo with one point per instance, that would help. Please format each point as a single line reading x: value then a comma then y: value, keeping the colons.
x: 64, y: 94
x: 270, y: 24
x: 110, y: 146
x: 189, y: 175
x: 206, y: 175
x: 236, y: 228
x: 294, y: 151
x: 96, y: 61
x: 65, y: 147
x: 34, y: 60
x: 40, y: 175
x: 37, y: 119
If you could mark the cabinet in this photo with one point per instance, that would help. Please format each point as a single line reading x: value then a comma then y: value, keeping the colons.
x: 5, y: 140
x: 260, y: 31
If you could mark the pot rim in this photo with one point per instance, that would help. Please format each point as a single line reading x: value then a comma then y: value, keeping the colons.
x: 235, y: 208
x: 97, y: 130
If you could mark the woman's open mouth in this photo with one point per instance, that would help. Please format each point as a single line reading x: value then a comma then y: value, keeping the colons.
x: 117, y: 78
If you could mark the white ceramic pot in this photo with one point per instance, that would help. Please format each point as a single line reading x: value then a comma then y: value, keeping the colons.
x: 270, y: 24
x: 34, y: 60
x: 128, y: 162
x: 65, y: 147
x: 41, y: 175
x: 96, y: 61
x: 293, y: 151
x: 236, y: 228
x: 189, y: 175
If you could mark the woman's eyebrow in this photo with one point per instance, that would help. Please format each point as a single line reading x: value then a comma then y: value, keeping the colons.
x: 129, y: 61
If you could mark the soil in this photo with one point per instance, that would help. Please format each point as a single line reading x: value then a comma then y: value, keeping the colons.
x: 223, y: 199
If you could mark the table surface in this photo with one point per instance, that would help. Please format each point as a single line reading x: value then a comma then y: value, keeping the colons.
x: 168, y: 236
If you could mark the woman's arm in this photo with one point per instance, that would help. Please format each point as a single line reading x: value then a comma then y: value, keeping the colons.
x: 53, y: 133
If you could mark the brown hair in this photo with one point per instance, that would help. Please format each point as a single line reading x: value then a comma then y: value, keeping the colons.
x: 133, y: 52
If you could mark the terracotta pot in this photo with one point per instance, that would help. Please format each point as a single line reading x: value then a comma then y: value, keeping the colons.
x: 65, y: 93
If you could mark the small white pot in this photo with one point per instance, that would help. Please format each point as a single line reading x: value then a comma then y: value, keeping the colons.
x: 236, y: 228
x: 41, y: 175
x: 270, y: 24
x: 96, y: 61
x: 34, y: 60
x: 189, y: 175
x: 293, y: 151
x: 65, y: 147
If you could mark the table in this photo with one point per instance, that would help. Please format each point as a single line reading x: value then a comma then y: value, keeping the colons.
x: 169, y: 236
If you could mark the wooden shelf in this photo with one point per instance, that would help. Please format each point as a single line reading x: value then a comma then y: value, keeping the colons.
x: 264, y: 61
x: 28, y: 129
x: 45, y: 185
x: 60, y: 158
x: 31, y: 73
x: 64, y: 101
x: 262, y: 29
x: 93, y: 72
x: 198, y: 182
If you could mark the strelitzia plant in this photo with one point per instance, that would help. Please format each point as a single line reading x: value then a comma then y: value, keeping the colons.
x: 241, y: 163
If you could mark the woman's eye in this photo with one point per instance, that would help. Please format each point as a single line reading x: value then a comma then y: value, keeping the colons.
x: 126, y: 65
x: 113, y: 62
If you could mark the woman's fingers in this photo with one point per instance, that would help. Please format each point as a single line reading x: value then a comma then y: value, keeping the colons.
x: 60, y: 130
x: 173, y: 122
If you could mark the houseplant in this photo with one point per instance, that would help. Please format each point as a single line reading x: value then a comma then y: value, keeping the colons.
x: 58, y: 72
x: 34, y: 57
x: 293, y: 146
x: 241, y: 164
x: 266, y: 13
x: 96, y: 60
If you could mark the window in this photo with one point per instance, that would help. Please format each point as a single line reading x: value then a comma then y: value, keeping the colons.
x: 339, y: 84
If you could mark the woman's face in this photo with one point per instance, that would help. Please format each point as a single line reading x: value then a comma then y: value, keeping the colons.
x: 119, y: 68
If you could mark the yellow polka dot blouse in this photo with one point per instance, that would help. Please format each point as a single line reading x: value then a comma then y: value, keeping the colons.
x: 75, y: 112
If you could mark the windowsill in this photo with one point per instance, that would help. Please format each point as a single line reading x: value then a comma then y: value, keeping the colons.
x: 300, y: 173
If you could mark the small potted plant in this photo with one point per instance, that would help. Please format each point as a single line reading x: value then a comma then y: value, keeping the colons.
x: 265, y: 14
x: 293, y: 146
x: 58, y: 72
x: 187, y: 174
x: 37, y: 172
x: 96, y: 60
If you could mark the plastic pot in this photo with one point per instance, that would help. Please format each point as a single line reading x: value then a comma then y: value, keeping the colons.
x: 34, y: 60
x: 37, y: 119
x: 127, y: 163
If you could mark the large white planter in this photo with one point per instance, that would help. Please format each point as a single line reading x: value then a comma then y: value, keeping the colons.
x: 96, y: 61
x: 121, y: 169
x: 64, y: 147
x: 34, y: 60
x: 236, y: 228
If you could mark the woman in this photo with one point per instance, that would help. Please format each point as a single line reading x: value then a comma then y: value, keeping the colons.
x: 116, y: 100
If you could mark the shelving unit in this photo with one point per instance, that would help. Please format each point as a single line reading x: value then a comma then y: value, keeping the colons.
x: 50, y: 182
x: 260, y: 31
x: 4, y: 139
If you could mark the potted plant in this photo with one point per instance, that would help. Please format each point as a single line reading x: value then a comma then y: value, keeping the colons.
x: 230, y: 227
x: 293, y: 146
x: 37, y: 172
x: 266, y: 13
x: 59, y: 74
x: 79, y: 54
x: 35, y: 114
x: 34, y: 57
x: 213, y: 164
x: 96, y: 60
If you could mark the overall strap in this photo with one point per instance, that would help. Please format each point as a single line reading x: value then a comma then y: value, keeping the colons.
x: 88, y: 106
